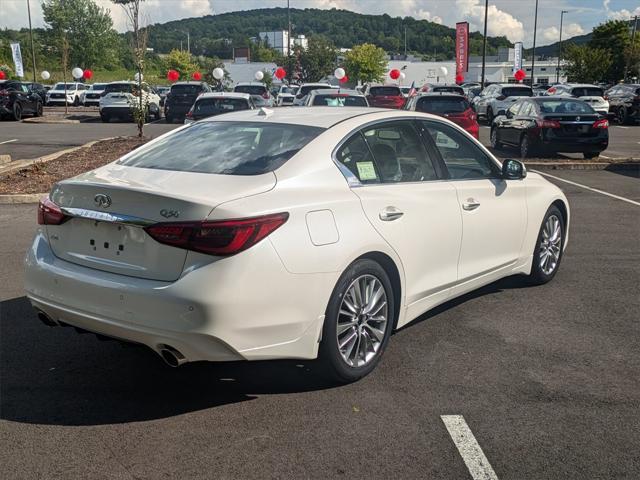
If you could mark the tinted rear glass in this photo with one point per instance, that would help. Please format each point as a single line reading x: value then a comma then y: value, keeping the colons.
x: 60, y: 86
x: 229, y: 148
x: 339, y: 101
x: 186, y: 89
x: 250, y: 89
x: 290, y: 90
x: 215, y: 106
x: 449, y: 89
x: 565, y: 107
x: 441, y: 105
x: 385, y: 91
x: 517, y: 92
x: 119, y: 87
x: 98, y: 86
x: 587, y: 92
x: 306, y: 89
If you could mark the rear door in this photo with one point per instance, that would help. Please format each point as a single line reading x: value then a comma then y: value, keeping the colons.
x: 410, y: 208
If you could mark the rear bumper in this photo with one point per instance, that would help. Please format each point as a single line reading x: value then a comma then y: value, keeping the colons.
x: 176, y: 111
x: 92, y: 102
x: 573, y: 145
x: 116, y: 111
x: 242, y: 307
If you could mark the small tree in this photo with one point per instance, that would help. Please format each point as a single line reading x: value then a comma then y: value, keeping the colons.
x: 366, y: 63
x: 318, y: 60
x: 587, y: 64
x: 182, y: 62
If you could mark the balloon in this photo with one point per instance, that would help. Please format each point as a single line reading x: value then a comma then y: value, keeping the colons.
x: 197, y: 76
x: 87, y: 74
x: 444, y: 71
x: 259, y: 75
x: 280, y: 73
x: 172, y: 75
x: 459, y: 78
x: 519, y: 75
x: 218, y: 73
x: 45, y: 75
x: 77, y: 73
x: 339, y: 73
x: 138, y: 77
x: 394, y: 74
x: 2, y: 75
x: 344, y: 79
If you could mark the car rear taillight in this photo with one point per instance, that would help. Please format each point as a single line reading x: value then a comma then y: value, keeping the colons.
x: 189, y: 114
x: 4, y: 93
x: 548, y: 124
x: 50, y: 214
x: 222, y: 238
x: 602, y: 123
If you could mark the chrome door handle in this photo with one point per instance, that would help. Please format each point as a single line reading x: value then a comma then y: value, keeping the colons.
x: 390, y: 213
x: 470, y: 204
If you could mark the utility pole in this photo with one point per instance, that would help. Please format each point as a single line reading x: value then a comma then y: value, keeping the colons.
x: 533, y: 58
x: 560, y: 46
x: 188, y: 42
x: 288, y: 29
x: 405, y: 42
x: 33, y: 51
x: 633, y: 47
x: 484, y: 44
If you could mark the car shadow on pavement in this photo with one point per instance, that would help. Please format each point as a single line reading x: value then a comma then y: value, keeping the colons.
x: 627, y: 169
x: 54, y: 376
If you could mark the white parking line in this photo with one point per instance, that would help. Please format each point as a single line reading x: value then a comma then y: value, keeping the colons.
x: 470, y: 451
x: 601, y: 192
x: 9, y: 141
x: 620, y: 126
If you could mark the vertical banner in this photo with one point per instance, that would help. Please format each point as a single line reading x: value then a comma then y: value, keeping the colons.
x: 17, y: 59
x: 462, y: 47
x: 517, y: 57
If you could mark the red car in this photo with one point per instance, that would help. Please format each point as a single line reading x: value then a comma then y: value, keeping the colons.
x: 385, y: 96
x: 449, y: 105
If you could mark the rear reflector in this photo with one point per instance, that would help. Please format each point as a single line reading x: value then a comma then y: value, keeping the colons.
x: 225, y: 237
x: 49, y: 213
x: 603, y: 123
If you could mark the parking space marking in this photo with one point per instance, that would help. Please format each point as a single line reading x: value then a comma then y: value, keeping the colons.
x: 473, y: 456
x: 9, y: 141
x: 601, y: 192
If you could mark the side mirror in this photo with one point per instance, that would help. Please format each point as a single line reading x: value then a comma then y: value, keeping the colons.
x: 513, y: 169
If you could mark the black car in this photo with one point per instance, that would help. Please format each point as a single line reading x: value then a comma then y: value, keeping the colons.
x: 540, y: 125
x: 624, y: 102
x: 16, y: 99
x: 39, y: 89
x: 181, y: 97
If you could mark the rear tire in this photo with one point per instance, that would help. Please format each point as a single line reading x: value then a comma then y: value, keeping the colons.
x: 526, y: 149
x: 353, y: 336
x: 495, y: 143
x: 489, y: 115
x: 38, y: 110
x: 622, y: 116
x: 547, y: 253
x: 105, y: 118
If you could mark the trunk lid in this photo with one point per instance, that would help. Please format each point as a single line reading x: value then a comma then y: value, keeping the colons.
x: 111, y: 206
x: 574, y: 126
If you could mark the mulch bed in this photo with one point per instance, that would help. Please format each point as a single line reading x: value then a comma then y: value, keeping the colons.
x: 41, y: 176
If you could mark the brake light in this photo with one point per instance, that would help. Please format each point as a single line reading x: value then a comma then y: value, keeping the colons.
x: 603, y: 123
x: 4, y: 93
x: 548, y: 124
x: 225, y: 237
x: 49, y: 213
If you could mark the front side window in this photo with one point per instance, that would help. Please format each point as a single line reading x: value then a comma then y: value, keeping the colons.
x: 514, y: 109
x: 527, y: 110
x: 463, y: 158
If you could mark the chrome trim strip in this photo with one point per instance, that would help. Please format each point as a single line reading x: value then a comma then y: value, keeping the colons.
x: 106, y: 217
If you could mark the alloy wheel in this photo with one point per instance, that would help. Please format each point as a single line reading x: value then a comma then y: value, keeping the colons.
x: 550, y: 245
x: 362, y: 320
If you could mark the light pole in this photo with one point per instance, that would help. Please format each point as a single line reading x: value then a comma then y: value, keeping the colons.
x: 533, y: 57
x: 33, y: 52
x: 484, y: 44
x: 560, y: 46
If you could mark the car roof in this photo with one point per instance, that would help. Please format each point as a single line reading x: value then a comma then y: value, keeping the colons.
x: 246, y: 96
x: 579, y: 85
x: 311, y: 84
x: 518, y: 85
x: 546, y: 98
x: 341, y: 91
x: 190, y: 82
x: 255, y: 84
x: 441, y: 94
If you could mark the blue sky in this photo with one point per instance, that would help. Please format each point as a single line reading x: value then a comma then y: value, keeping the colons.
x: 513, y: 18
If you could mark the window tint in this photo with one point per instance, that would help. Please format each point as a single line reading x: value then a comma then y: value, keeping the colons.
x: 442, y: 105
x: 356, y: 156
x: 565, y: 106
x: 449, y: 89
x: 398, y: 153
x: 302, y: 91
x: 527, y: 110
x: 231, y: 148
x: 251, y: 89
x: 214, y: 106
x: 463, y: 158
x: 392, y: 91
x: 587, y: 92
x: 514, y: 109
x: 119, y: 87
x: 517, y: 92
x: 186, y: 89
x: 339, y: 101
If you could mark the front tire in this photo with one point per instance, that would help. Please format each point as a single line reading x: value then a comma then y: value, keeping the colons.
x: 17, y: 112
x: 76, y: 102
x: 526, y: 149
x: 490, y: 115
x: 548, y: 250
x: 495, y: 143
x: 358, y: 322
x: 38, y: 110
x: 622, y: 117
x: 590, y: 155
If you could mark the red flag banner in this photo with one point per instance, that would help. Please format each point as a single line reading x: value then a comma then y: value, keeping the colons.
x: 462, y: 47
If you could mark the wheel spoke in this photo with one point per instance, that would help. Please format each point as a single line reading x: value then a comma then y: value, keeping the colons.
x: 343, y: 327
x: 379, y: 335
x: 347, y: 302
x: 348, y: 339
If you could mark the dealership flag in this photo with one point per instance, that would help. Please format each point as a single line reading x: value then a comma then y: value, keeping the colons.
x: 462, y: 47
x: 517, y: 57
x: 17, y: 59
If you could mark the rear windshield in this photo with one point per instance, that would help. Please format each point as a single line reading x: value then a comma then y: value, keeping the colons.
x: 186, y: 89
x: 60, y: 86
x: 587, y: 92
x: 98, y: 86
x: 565, y: 106
x: 338, y: 100
x: 250, y: 89
x: 302, y: 91
x: 442, y: 105
x: 449, y: 89
x: 517, y: 92
x: 119, y: 87
x: 227, y: 148
x: 214, y: 106
x: 289, y: 90
x: 385, y: 91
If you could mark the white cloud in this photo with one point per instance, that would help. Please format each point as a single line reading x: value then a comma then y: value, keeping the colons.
x: 552, y: 34
x: 623, y: 14
x: 499, y: 22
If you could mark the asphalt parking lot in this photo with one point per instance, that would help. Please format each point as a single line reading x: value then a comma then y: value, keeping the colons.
x: 546, y: 378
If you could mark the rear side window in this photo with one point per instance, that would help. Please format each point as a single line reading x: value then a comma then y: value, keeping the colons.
x: 251, y: 89
x: 186, y: 89
x: 517, y: 92
x: 339, y: 101
x: 227, y: 148
x: 442, y: 105
x: 214, y: 106
x: 389, y: 91
x: 587, y: 92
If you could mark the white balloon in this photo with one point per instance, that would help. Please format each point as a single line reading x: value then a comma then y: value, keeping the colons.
x: 339, y: 73
x: 138, y: 77
x: 444, y: 71
x: 402, y: 76
x: 45, y: 75
x: 77, y: 72
x: 259, y: 75
x: 218, y: 73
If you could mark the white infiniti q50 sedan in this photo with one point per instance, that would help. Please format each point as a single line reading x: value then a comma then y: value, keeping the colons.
x: 295, y: 233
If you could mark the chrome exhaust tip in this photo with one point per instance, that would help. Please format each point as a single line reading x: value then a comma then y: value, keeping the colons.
x: 46, y: 319
x: 171, y: 356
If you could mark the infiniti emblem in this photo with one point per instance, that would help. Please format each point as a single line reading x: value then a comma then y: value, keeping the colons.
x: 101, y: 200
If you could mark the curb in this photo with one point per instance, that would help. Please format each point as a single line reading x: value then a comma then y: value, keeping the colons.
x: 49, y: 120
x: 21, y: 198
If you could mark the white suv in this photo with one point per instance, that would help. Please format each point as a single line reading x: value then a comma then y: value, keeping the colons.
x: 119, y: 98
x: 304, y: 90
x: 497, y: 97
x: 74, y: 94
x: 592, y: 94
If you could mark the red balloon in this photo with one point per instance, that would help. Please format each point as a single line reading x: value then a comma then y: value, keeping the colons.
x: 394, y: 74
x: 280, y: 73
x: 459, y: 78
x: 172, y: 75
x: 196, y: 76
x: 87, y: 74
x: 2, y: 75
x: 344, y: 79
x: 519, y: 75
